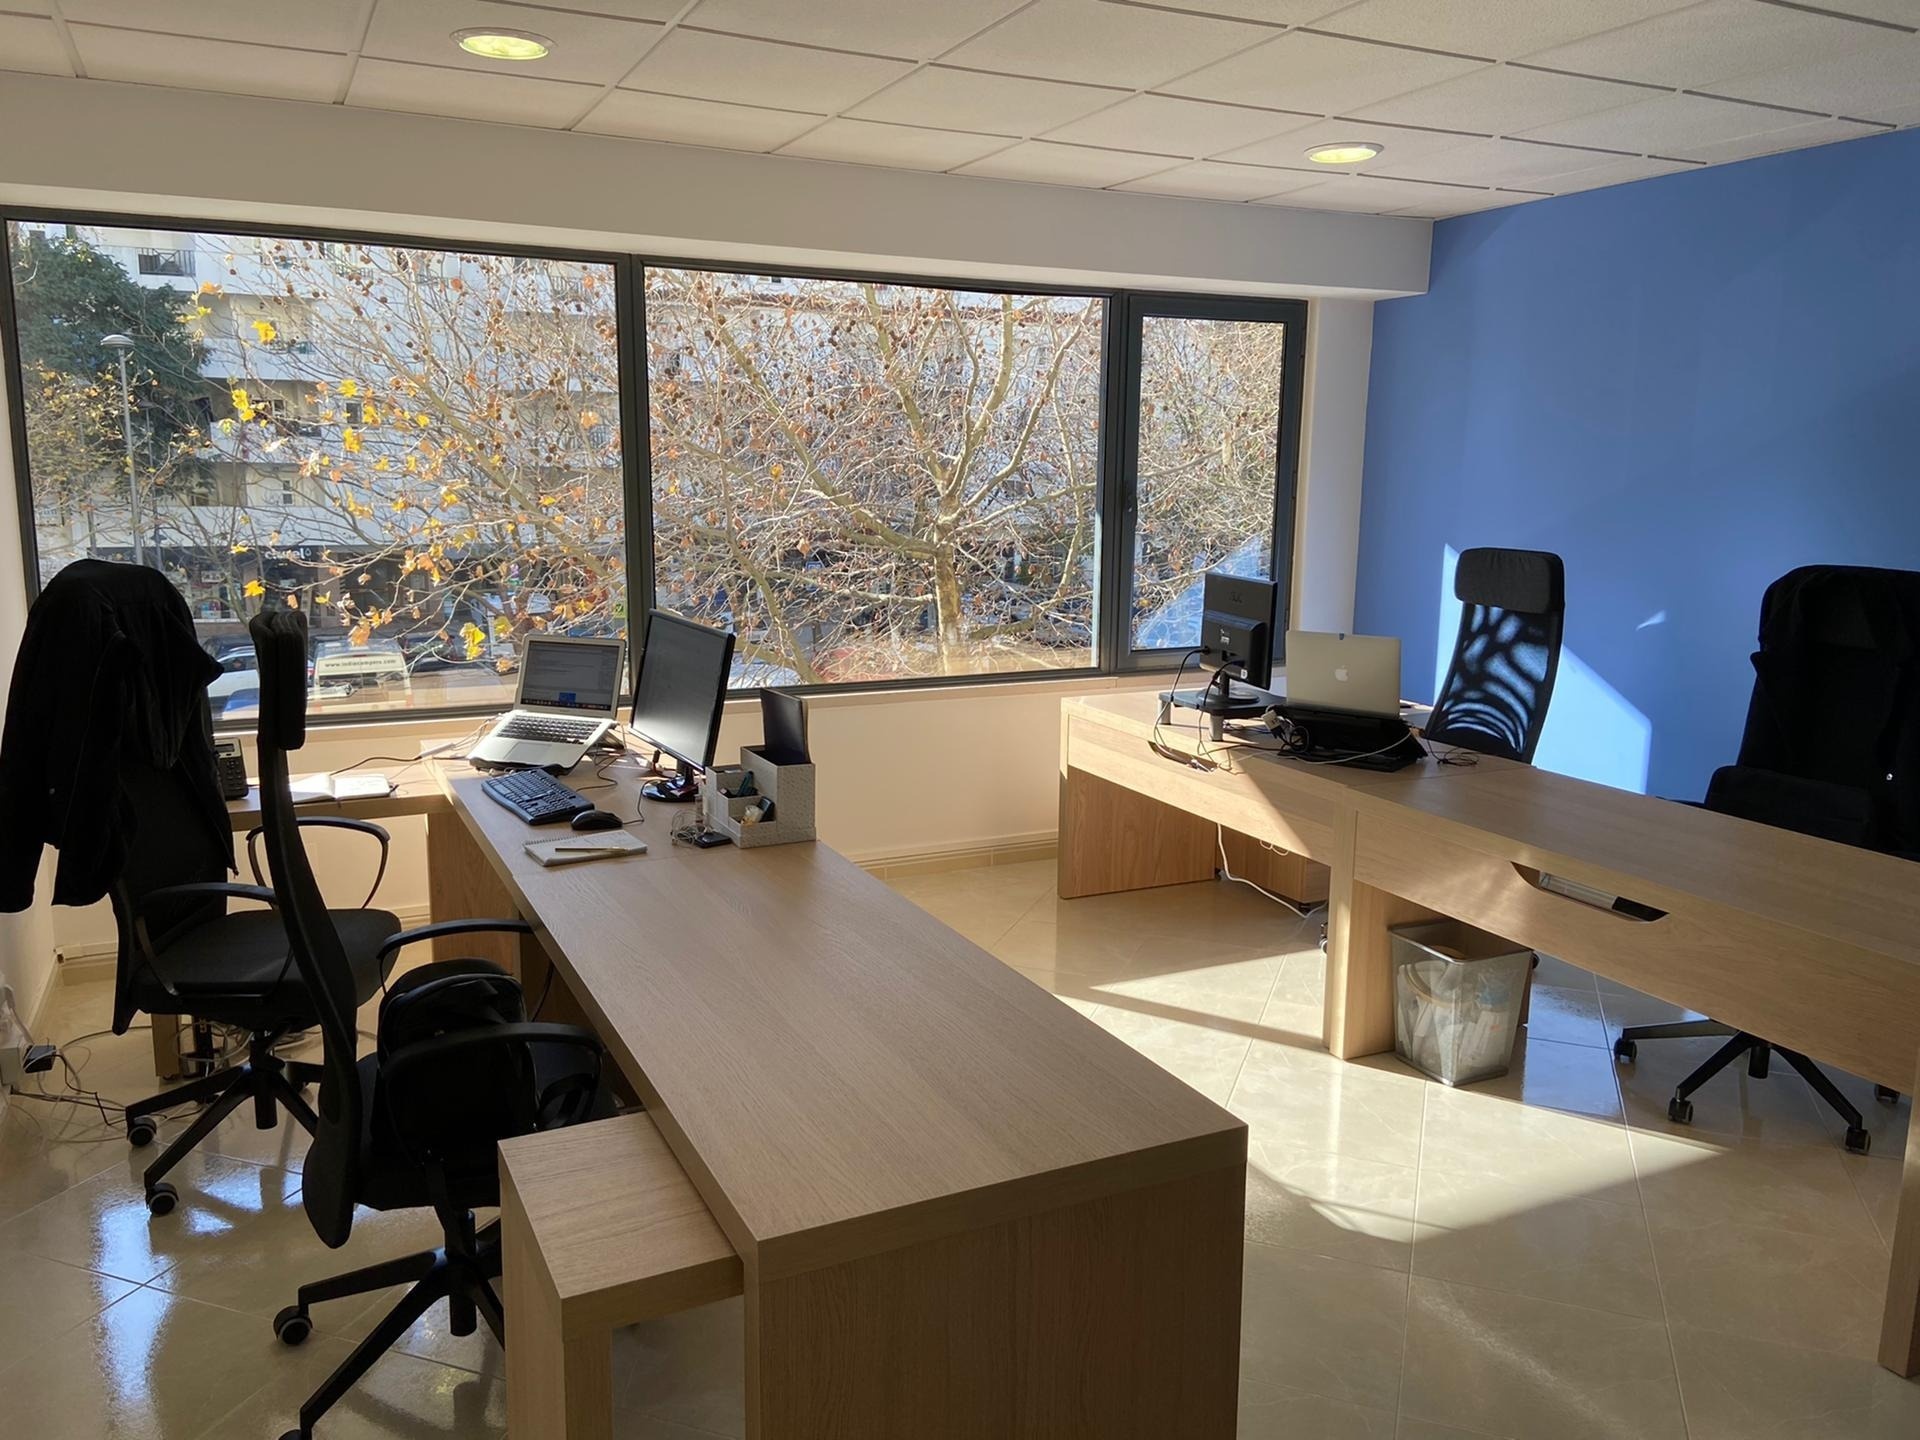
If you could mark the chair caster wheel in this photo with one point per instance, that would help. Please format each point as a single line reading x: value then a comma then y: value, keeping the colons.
x: 162, y: 1198
x: 1885, y: 1095
x: 292, y: 1326
x: 1625, y: 1050
x: 1859, y: 1142
x: 140, y: 1132
x: 1680, y: 1111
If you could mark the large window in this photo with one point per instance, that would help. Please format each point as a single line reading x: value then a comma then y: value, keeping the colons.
x: 876, y: 482
x: 420, y: 448
x: 1208, y: 461
x: 436, y: 452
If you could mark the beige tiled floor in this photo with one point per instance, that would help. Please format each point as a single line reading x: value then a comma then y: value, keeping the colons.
x: 1542, y: 1257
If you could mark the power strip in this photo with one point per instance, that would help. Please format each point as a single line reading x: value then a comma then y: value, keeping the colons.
x: 17, y: 1063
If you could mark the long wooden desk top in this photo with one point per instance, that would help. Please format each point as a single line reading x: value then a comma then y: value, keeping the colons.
x: 838, y: 1071
x: 416, y: 792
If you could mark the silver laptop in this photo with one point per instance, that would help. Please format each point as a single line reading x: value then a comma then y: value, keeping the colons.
x: 569, y: 695
x: 1359, y: 674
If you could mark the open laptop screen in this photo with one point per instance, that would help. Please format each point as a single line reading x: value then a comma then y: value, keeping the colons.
x: 570, y: 675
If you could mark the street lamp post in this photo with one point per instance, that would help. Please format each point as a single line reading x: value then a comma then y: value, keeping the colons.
x: 123, y: 346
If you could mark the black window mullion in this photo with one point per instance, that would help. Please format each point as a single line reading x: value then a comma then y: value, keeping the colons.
x: 630, y: 311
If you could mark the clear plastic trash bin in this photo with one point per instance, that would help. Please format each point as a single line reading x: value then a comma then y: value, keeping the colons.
x: 1457, y: 993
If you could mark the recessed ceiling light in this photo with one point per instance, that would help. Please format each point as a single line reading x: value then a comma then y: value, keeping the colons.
x: 1346, y: 152
x: 503, y: 44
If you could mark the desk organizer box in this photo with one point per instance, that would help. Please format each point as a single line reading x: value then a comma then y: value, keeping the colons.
x: 790, y: 787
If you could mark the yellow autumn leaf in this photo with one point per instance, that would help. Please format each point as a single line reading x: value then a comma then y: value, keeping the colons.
x: 589, y: 419
x: 242, y: 404
x: 241, y: 549
x: 350, y: 440
x: 370, y: 414
x: 383, y: 463
x: 207, y: 287
x: 349, y: 388
x: 472, y: 637
x: 549, y: 501
x: 266, y: 331
x: 502, y: 627
x: 423, y: 420
x: 776, y: 470
x: 253, y: 589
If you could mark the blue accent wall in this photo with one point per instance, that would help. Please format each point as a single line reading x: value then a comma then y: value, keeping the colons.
x: 1686, y: 386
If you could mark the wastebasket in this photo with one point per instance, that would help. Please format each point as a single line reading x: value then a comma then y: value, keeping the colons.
x: 1457, y: 995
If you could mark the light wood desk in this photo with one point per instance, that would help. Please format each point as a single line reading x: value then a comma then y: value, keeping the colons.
x: 962, y: 1210
x: 1811, y: 944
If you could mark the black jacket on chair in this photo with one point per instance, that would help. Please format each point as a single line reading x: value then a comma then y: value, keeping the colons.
x: 109, y: 665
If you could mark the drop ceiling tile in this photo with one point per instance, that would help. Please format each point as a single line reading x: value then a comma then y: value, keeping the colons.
x: 974, y: 100
x: 1791, y: 137
x: 1052, y: 164
x: 1868, y: 84
x: 1900, y: 12
x: 1443, y: 205
x: 1323, y: 76
x: 1502, y: 99
x: 1371, y: 194
x: 432, y: 90
x: 1104, y: 44
x: 656, y: 10
x: 193, y: 64
x: 1497, y: 29
x: 1290, y: 147
x: 1512, y: 163
x: 1211, y: 180
x: 1691, y: 48
x: 30, y: 7
x: 1616, y: 172
x: 1675, y: 125
x: 761, y: 72
x: 294, y: 24
x: 1272, y: 12
x: 593, y: 48
x: 641, y: 116
x: 1166, y: 126
x: 878, y: 27
x: 30, y: 43
x: 912, y: 147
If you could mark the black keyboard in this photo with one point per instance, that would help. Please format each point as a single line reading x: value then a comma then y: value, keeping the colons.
x: 535, y: 796
x: 555, y: 728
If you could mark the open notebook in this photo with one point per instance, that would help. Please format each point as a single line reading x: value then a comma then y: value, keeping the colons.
x: 353, y: 785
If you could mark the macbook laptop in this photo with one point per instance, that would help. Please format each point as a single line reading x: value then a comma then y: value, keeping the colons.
x: 569, y: 693
x: 1359, y: 674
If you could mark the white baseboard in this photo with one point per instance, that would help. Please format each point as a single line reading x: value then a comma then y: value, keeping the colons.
x: 1008, y: 850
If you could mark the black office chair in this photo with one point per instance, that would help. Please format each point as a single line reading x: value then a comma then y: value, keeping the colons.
x: 182, y: 953
x: 1831, y: 748
x: 1506, y: 656
x: 457, y: 1068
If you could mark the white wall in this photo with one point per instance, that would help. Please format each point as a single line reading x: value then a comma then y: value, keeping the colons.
x: 97, y: 144
x: 26, y: 940
x: 902, y: 774
x: 1333, y: 439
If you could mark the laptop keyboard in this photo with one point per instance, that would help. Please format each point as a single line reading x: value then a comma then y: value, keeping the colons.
x: 552, y: 728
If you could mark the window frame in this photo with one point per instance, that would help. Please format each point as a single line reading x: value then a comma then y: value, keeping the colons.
x: 1138, y: 308
x: 1122, y: 314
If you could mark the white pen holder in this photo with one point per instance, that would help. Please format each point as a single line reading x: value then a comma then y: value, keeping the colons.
x: 789, y: 789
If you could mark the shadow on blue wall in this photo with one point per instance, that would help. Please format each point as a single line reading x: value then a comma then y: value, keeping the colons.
x: 1684, y: 386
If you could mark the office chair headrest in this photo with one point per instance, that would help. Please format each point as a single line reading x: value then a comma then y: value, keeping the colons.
x: 1533, y: 582
x: 280, y: 646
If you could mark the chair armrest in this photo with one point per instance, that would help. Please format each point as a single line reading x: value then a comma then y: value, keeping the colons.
x: 451, y: 927
x: 197, y: 890
x: 337, y: 822
x: 203, y: 890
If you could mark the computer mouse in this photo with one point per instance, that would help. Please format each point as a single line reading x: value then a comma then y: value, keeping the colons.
x: 596, y: 820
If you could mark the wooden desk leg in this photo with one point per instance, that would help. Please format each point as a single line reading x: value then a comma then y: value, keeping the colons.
x: 1359, y: 995
x: 1900, y: 1326
x: 1113, y: 838
x: 1114, y: 1319
x: 559, y: 1387
x: 166, y: 1046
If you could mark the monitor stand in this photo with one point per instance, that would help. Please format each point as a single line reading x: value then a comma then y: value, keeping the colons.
x: 674, y: 789
x: 1238, y: 701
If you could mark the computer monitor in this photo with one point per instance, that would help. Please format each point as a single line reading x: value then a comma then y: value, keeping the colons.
x: 677, y: 696
x: 1236, y: 640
